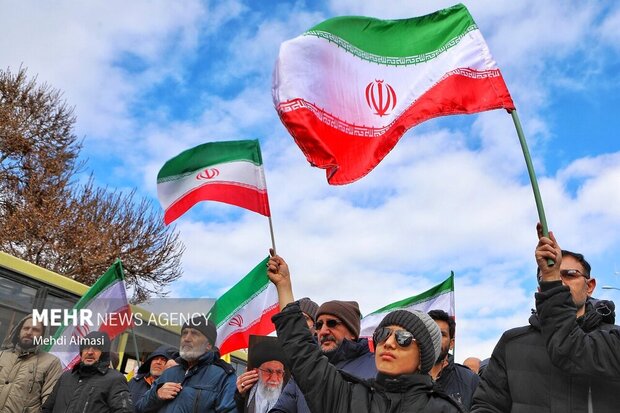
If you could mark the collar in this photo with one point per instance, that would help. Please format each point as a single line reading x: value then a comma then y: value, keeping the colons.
x: 348, y: 349
x: 405, y: 382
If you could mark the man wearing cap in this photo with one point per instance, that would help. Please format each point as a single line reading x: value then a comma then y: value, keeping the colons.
x: 201, y: 381
x: 337, y: 331
x: 526, y: 372
x: 407, y: 345
x: 258, y: 388
x: 456, y: 380
x: 150, y: 371
x: 91, y: 386
x: 27, y: 373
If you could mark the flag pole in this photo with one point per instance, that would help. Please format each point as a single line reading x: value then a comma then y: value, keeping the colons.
x: 532, y: 174
x: 273, y: 240
x: 135, y: 346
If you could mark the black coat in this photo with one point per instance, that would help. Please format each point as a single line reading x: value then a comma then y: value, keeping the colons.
x: 458, y: 382
x: 328, y: 390
x: 520, y: 376
x: 90, y: 389
x: 352, y: 356
x: 570, y: 348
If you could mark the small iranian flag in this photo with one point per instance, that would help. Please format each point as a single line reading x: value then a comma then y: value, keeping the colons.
x: 440, y: 297
x: 106, y: 303
x: 230, y: 172
x: 350, y: 87
x: 246, y: 309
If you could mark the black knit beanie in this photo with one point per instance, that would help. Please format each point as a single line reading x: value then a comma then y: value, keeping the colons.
x: 347, y: 311
x: 425, y: 331
x: 206, y: 327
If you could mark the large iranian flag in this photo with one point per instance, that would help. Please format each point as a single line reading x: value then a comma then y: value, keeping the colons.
x: 230, y: 172
x: 439, y: 297
x: 246, y: 309
x: 350, y: 87
x: 107, y: 301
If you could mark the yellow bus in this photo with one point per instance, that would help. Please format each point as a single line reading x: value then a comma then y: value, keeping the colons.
x: 25, y: 286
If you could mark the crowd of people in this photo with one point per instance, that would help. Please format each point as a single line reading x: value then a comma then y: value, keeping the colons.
x: 567, y: 359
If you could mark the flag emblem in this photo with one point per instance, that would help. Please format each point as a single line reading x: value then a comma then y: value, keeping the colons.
x: 208, y: 173
x: 380, y: 97
x: 236, y: 321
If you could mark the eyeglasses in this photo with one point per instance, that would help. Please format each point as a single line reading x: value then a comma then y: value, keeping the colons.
x: 331, y: 323
x: 572, y: 274
x: 403, y: 337
x: 270, y: 372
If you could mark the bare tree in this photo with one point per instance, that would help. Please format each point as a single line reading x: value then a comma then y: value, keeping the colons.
x: 75, y: 230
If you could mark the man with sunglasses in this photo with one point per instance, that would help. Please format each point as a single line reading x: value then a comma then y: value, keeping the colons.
x: 596, y: 352
x: 407, y: 345
x: 526, y: 372
x: 337, y: 331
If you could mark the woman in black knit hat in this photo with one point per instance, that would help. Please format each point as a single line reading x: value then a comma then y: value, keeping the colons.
x: 407, y: 344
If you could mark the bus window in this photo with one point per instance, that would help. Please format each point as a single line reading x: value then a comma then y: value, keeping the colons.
x: 16, y: 300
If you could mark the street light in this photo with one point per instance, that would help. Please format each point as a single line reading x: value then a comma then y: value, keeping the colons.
x: 609, y: 287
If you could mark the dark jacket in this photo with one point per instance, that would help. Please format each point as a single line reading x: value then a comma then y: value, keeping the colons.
x: 353, y: 357
x: 458, y: 382
x: 138, y: 385
x: 27, y: 377
x: 209, y: 386
x: 520, y: 376
x: 90, y: 389
x: 596, y: 353
x: 328, y: 390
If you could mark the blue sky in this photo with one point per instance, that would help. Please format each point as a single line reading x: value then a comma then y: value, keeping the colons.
x: 149, y: 79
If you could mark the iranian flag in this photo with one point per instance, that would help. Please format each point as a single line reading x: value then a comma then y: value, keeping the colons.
x: 106, y: 302
x: 440, y: 297
x: 230, y: 172
x: 246, y: 309
x: 350, y: 87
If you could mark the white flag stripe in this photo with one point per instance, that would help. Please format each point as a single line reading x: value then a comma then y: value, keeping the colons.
x: 242, y: 173
x: 440, y: 302
x: 250, y: 314
x: 354, y: 74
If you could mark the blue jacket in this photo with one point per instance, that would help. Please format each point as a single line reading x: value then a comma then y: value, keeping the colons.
x: 208, y: 387
x: 353, y: 357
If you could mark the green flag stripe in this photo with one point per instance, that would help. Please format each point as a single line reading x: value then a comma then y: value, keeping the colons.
x: 208, y: 154
x: 399, y: 38
x: 241, y: 293
x: 443, y: 288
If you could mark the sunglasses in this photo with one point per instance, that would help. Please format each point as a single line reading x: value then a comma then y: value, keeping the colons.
x: 270, y: 372
x: 573, y: 274
x: 403, y: 337
x: 330, y: 324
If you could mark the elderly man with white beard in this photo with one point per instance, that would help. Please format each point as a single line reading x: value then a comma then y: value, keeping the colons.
x: 258, y: 389
x: 202, y: 381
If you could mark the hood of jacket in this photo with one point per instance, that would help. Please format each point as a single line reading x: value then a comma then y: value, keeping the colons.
x: 597, y: 312
x: 12, y: 339
x: 162, y: 351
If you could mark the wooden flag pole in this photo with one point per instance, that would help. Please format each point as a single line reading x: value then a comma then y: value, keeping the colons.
x: 530, y: 171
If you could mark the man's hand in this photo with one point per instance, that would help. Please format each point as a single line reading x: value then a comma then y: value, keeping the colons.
x: 246, y: 381
x: 279, y: 275
x: 548, y: 249
x: 169, y: 390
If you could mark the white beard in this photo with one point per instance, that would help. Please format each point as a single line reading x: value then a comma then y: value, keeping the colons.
x: 266, y: 397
